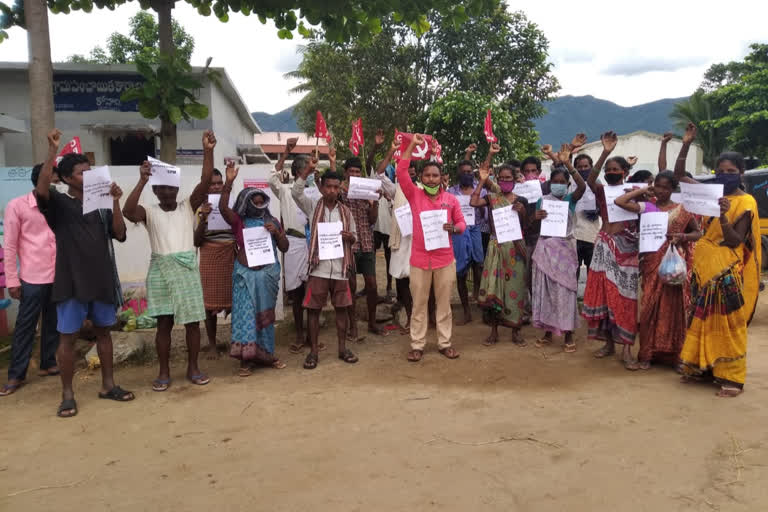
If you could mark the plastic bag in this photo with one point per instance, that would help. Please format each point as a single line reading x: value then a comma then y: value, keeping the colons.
x: 144, y: 321
x: 673, y: 269
x: 128, y: 319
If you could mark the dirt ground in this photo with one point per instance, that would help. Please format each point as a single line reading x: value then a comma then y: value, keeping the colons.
x: 502, y: 428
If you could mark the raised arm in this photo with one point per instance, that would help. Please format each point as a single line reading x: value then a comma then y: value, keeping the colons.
x: 403, y: 178
x: 565, y: 157
x: 475, y: 199
x: 629, y: 202
x: 470, y: 151
x: 118, y: 223
x: 688, y: 137
x: 387, y: 158
x: 663, y: 151
x: 43, y: 188
x: 488, y: 163
x: 132, y: 210
x: 200, y: 194
x: 378, y: 140
x: 297, y: 191
x: 609, y: 140
x: 202, y: 226
x: 226, y: 212
x: 276, y: 178
x: 388, y: 188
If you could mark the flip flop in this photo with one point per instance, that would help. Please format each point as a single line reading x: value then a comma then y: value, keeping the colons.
x: 278, y: 364
x: 348, y: 357
x: 161, y: 385
x: 244, y: 372
x: 68, y: 404
x: 9, y: 389
x: 449, y: 352
x: 570, y: 348
x: 415, y: 356
x: 310, y: 363
x: 117, y: 394
x: 542, y: 342
x: 200, y: 379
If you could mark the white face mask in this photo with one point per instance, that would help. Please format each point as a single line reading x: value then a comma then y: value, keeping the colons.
x: 61, y: 187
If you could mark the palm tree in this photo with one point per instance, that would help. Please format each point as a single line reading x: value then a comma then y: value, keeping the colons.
x: 701, y: 110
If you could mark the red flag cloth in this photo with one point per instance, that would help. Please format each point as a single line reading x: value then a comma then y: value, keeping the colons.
x: 357, y: 137
x: 72, y: 146
x: 423, y: 152
x: 488, y: 128
x: 437, y: 152
x: 321, y: 129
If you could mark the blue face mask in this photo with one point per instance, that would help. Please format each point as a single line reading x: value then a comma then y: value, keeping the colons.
x: 558, y: 189
x: 730, y: 182
x: 311, y: 180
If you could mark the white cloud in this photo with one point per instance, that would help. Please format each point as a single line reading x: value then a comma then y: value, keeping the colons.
x: 629, y: 53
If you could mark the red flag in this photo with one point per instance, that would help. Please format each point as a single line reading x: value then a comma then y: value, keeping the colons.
x: 321, y: 129
x: 437, y: 152
x: 423, y: 152
x: 488, y: 128
x: 357, y: 137
x: 72, y: 146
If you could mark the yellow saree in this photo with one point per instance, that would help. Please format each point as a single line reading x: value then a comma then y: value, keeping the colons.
x: 724, y: 290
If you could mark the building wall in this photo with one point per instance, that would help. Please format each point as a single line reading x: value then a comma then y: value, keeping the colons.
x: 2, y: 150
x: 133, y: 255
x: 15, y: 102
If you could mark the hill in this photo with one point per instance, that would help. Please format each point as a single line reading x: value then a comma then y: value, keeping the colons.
x: 565, y: 117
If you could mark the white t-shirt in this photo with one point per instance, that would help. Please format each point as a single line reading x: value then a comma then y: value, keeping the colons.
x: 171, y: 232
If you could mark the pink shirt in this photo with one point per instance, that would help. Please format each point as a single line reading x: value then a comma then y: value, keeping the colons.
x: 28, y: 237
x: 421, y: 202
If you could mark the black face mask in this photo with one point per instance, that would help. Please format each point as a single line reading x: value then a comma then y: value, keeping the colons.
x: 614, y: 179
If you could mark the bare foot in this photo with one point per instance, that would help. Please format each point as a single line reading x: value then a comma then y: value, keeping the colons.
x: 211, y: 352
x: 729, y: 392
x: 491, y: 340
x: 518, y: 339
x: 637, y: 365
x: 607, y: 350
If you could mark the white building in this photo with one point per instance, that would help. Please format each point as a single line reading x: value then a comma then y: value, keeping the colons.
x: 645, y: 146
x: 87, y: 104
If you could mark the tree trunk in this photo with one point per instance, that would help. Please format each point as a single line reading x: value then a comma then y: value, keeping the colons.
x: 41, y: 116
x: 165, y: 43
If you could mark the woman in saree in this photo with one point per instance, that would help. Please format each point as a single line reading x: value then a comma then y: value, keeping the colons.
x: 503, y: 286
x: 254, y: 289
x: 610, y: 298
x: 663, y: 307
x: 555, y: 262
x: 725, y: 282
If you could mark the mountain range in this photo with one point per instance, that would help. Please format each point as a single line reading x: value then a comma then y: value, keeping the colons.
x: 566, y: 116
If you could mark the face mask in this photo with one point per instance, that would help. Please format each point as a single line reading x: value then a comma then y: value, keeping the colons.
x: 730, y: 182
x: 531, y: 176
x: 585, y: 174
x: 558, y: 189
x: 432, y: 191
x: 614, y: 179
x: 507, y: 186
x: 466, y: 180
x: 61, y: 187
x: 311, y: 180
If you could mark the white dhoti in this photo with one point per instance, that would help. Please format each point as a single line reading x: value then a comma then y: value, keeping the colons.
x: 295, y: 263
x: 400, y: 260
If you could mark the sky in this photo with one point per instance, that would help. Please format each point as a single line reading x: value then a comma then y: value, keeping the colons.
x: 626, y: 52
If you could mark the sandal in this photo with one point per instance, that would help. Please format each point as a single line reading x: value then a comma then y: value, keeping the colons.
x: 50, y: 372
x: 519, y: 341
x: 604, y: 352
x: 200, y: 379
x: 348, y: 357
x: 278, y: 364
x: 542, y: 342
x: 245, y: 371
x: 729, y: 392
x: 570, y: 348
x: 67, y: 404
x: 9, y: 389
x: 117, y: 394
x: 637, y: 365
x: 691, y: 379
x: 491, y: 341
x: 414, y: 356
x: 449, y: 352
x: 161, y: 385
x: 310, y: 363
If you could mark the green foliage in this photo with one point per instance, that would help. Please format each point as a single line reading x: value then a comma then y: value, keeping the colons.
x: 457, y: 119
x: 393, y: 80
x: 140, y: 44
x: 169, y: 90
x: 339, y: 21
x: 700, y: 109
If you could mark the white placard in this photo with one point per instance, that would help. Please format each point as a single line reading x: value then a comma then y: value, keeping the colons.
x: 258, y: 246
x: 363, y: 188
x: 588, y: 201
x: 435, y: 236
x: 701, y: 199
x: 313, y: 193
x: 616, y: 213
x: 164, y: 174
x: 556, y: 222
x: 653, y: 230
x: 507, y: 224
x: 676, y: 197
x: 468, y: 211
x: 215, y: 221
x: 96, y: 185
x: 531, y: 190
x: 404, y: 220
x: 329, y: 243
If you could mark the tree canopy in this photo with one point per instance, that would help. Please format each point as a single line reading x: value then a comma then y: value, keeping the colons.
x: 141, y: 44
x: 394, y: 79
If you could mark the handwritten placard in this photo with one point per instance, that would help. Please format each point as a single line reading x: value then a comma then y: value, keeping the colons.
x: 467, y: 210
x: 701, y: 199
x: 404, y: 220
x: 364, y: 188
x: 96, y: 185
x: 164, y: 174
x: 531, y: 190
x: 616, y: 213
x: 215, y: 221
x: 329, y: 242
x: 556, y: 222
x: 506, y: 221
x: 588, y: 201
x: 258, y: 246
x: 653, y: 230
x: 435, y: 236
